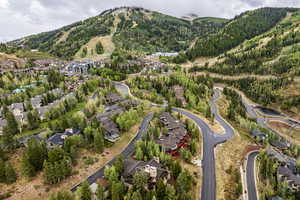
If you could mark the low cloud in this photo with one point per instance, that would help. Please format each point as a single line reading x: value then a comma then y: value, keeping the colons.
x: 20, y: 18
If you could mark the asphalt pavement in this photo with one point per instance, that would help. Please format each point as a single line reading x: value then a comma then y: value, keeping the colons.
x: 210, y: 141
x: 250, y: 176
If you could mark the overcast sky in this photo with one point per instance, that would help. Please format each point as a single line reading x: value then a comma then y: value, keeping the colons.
x: 19, y: 18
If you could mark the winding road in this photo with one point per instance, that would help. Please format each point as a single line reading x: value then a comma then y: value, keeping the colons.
x: 250, y: 176
x: 210, y: 141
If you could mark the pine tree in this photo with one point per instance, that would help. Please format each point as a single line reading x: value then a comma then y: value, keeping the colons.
x: 10, y: 173
x: 100, y: 192
x: 98, y: 142
x: 137, y: 196
x: 7, y: 138
x: 2, y: 171
x: 27, y: 169
x: 12, y: 124
x: 85, y: 192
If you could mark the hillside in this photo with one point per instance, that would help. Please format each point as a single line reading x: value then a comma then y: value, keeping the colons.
x: 275, y: 52
x: 241, y: 28
x: 122, y: 28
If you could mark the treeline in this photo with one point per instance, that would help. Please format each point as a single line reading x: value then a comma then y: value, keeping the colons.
x: 243, y: 27
x: 260, y: 91
x: 236, y: 105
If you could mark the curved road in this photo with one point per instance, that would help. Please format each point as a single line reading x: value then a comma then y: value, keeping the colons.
x: 210, y: 141
x: 250, y: 176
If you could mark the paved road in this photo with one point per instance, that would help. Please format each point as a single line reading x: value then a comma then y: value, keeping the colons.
x: 210, y: 141
x: 128, y: 151
x: 250, y: 176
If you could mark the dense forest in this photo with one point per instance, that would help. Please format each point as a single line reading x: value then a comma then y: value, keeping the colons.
x: 241, y: 28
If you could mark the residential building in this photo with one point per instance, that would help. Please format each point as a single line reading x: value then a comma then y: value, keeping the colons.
x: 153, y: 168
x: 58, y: 139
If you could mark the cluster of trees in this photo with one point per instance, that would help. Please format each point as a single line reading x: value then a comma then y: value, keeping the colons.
x: 196, y: 90
x: 146, y: 150
x: 7, y: 172
x: 243, y: 27
x: 109, y: 73
x: 57, y: 167
x: 99, y: 48
x: 94, y: 138
x: 260, y: 91
x: 236, y: 105
x: 127, y: 119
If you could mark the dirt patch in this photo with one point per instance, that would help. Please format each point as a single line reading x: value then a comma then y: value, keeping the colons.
x: 286, y: 131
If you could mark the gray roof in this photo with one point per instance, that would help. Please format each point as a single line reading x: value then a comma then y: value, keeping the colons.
x: 289, y: 175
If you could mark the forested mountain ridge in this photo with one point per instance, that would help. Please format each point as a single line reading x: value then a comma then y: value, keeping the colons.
x: 128, y: 28
x: 275, y: 52
x: 241, y: 28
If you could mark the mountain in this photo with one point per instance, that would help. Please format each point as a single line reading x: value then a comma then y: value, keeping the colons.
x: 275, y: 52
x: 126, y: 28
x: 241, y: 28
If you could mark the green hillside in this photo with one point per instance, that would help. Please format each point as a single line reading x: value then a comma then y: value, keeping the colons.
x: 128, y: 28
x: 243, y: 27
x: 275, y: 52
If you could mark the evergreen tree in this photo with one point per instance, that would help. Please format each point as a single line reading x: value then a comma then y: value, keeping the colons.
x: 12, y: 124
x: 100, y: 192
x: 136, y: 196
x: 99, y: 48
x: 10, y: 173
x: 84, y: 192
x: 2, y: 171
x: 27, y: 168
x: 98, y: 141
x: 33, y: 120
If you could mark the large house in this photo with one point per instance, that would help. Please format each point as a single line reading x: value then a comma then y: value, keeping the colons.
x: 152, y: 167
x: 80, y: 66
x: 285, y: 173
x: 176, y: 136
x: 58, y: 139
x: 18, y: 110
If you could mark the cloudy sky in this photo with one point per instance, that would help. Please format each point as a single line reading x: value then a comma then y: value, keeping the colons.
x: 19, y: 18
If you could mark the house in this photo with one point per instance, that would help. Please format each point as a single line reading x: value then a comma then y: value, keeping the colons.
x: 113, y: 98
x: 80, y: 66
x: 284, y: 173
x: 179, y: 94
x: 2, y: 124
x: 18, y: 110
x: 152, y: 167
x: 36, y: 102
x: 112, y: 133
x: 275, y: 198
x: 42, y: 112
x: 257, y: 134
x: 58, y: 139
x: 282, y: 158
x: 176, y: 137
x: 281, y: 145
